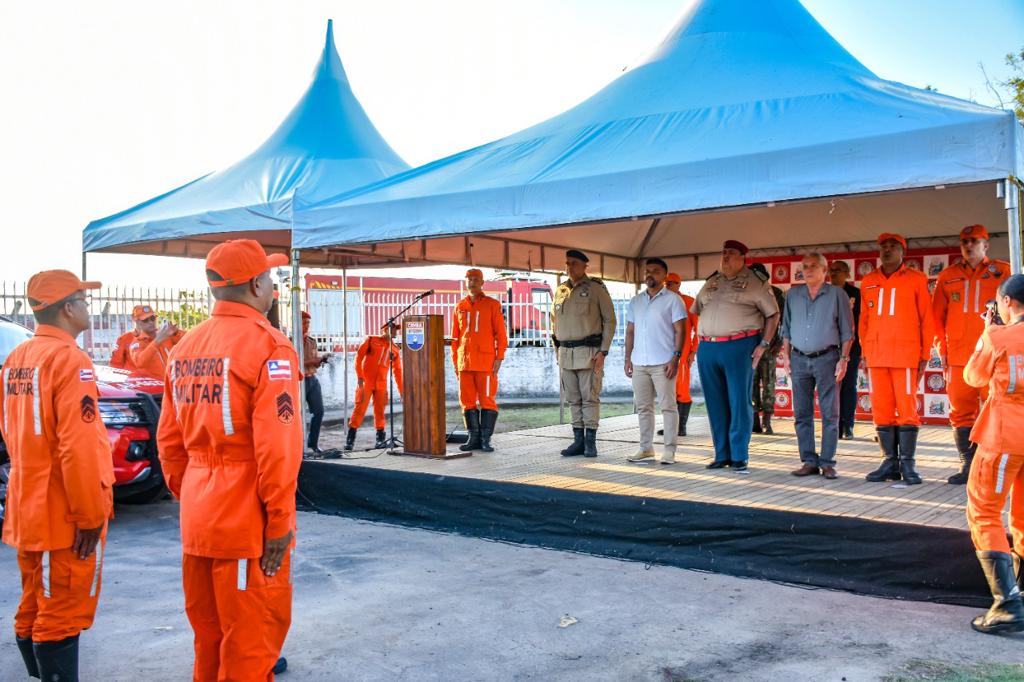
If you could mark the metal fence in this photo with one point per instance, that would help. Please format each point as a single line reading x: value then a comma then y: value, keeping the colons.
x: 339, y: 319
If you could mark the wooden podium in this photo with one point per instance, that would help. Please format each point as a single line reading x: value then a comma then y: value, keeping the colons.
x: 423, y: 409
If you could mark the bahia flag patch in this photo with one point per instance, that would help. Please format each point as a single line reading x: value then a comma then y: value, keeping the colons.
x: 279, y: 370
x: 86, y: 375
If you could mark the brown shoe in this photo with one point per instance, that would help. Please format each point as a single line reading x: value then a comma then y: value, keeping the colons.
x: 806, y: 470
x: 829, y: 473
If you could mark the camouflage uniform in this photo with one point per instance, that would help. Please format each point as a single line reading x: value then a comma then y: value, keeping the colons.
x: 763, y: 397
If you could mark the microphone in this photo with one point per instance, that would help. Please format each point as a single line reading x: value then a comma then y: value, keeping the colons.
x: 425, y: 294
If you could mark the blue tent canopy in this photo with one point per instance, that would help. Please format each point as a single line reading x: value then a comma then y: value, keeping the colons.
x: 749, y: 121
x: 326, y: 145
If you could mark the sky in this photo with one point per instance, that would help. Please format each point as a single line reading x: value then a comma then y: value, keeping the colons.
x: 110, y: 102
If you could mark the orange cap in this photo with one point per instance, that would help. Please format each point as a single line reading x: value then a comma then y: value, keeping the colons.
x: 974, y: 232
x: 895, y: 237
x: 236, y: 261
x: 51, y: 286
x: 674, y: 277
x: 474, y: 272
x: 143, y: 312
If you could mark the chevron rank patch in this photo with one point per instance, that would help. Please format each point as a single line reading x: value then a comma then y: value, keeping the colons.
x: 88, y: 406
x: 285, y: 408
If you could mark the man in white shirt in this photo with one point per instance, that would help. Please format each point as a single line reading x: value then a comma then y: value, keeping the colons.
x: 655, y: 329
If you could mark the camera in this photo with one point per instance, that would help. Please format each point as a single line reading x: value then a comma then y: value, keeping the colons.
x: 994, y: 309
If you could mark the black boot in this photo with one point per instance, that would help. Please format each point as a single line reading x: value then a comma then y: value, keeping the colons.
x: 590, y: 442
x: 488, y: 418
x: 58, y: 661
x: 27, y: 655
x: 756, y: 428
x: 382, y: 439
x: 576, y: 449
x: 890, y: 469
x: 471, y: 418
x: 964, y: 446
x: 684, y: 416
x: 907, y: 447
x: 350, y: 439
x: 766, y: 423
x: 1006, y: 613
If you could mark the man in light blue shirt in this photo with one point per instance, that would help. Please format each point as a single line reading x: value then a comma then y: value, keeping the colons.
x: 817, y: 331
x: 655, y: 328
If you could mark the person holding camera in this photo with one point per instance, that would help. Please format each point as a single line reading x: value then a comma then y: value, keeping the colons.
x: 153, y: 342
x: 957, y: 306
x: 998, y: 468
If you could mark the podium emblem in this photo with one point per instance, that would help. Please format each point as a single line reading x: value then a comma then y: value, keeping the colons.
x: 414, y: 336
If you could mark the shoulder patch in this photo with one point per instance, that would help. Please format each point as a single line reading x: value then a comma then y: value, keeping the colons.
x: 285, y: 408
x: 279, y: 370
x: 763, y: 278
x: 86, y: 375
x: 599, y: 281
x: 88, y: 409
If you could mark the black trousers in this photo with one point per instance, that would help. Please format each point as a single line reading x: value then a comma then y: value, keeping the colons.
x: 848, y: 390
x: 315, y: 401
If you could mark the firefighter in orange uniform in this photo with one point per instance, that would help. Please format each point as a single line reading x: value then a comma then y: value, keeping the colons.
x: 690, y: 341
x: 152, y: 345
x: 374, y: 357
x: 479, y: 341
x: 230, y: 443
x: 998, y: 469
x: 896, y: 335
x: 957, y: 306
x: 120, y: 356
x: 59, y: 498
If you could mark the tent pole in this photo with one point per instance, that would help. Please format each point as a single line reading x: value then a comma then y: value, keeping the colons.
x: 1011, y: 198
x: 344, y: 334
x: 84, y: 275
x: 297, y: 338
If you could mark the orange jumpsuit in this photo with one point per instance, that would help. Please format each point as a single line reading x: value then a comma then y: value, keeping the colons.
x: 61, y: 480
x: 689, y: 348
x: 998, y: 465
x: 479, y: 338
x: 150, y: 357
x: 119, y: 356
x: 372, y: 362
x: 896, y: 334
x: 957, y: 305
x: 230, y: 443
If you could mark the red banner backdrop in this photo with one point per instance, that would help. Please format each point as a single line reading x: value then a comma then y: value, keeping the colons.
x: 932, y: 403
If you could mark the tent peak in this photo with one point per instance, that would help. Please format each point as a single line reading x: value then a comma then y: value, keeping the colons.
x: 330, y: 63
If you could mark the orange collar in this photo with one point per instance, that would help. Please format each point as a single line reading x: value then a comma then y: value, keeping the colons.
x: 55, y: 333
x: 232, y: 309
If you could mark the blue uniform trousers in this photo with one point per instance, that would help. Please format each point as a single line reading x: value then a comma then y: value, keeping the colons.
x: 727, y: 377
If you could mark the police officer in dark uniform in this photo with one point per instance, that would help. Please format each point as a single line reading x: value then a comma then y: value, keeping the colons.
x: 738, y: 319
x: 583, y: 324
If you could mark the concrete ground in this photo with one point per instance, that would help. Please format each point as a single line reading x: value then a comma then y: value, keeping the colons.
x: 377, y: 602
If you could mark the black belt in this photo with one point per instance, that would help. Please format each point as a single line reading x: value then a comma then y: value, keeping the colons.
x: 816, y: 354
x: 591, y: 341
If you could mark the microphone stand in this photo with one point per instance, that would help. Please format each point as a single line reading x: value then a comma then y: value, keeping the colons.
x: 393, y: 442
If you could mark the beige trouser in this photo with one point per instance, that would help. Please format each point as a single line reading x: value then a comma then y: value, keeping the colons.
x: 582, y: 388
x: 649, y: 381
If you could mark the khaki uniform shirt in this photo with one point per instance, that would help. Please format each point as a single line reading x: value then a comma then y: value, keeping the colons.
x: 731, y: 306
x: 581, y: 310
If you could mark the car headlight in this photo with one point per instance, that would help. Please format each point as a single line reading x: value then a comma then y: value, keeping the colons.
x: 119, y: 414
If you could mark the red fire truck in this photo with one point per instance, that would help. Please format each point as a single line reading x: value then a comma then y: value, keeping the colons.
x: 371, y: 301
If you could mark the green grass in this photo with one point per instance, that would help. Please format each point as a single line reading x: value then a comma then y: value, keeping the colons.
x: 919, y: 670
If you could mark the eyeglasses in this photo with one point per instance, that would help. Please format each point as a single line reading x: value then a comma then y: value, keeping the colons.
x: 149, y: 319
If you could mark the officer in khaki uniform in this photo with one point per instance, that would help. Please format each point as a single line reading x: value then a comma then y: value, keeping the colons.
x: 583, y: 324
x: 738, y: 319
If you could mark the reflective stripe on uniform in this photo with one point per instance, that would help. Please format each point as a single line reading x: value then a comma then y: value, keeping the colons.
x: 892, y: 302
x: 225, y: 401
x: 881, y: 299
x: 37, y: 422
x: 97, y: 570
x: 977, y: 296
x: 967, y: 293
x: 908, y: 381
x: 476, y: 322
x: 1012, y: 386
x: 487, y: 390
x: 3, y: 395
x: 243, y: 574
x: 46, y: 574
x: 1001, y: 473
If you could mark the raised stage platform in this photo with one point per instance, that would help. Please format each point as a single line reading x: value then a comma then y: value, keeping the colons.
x: 883, y: 539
